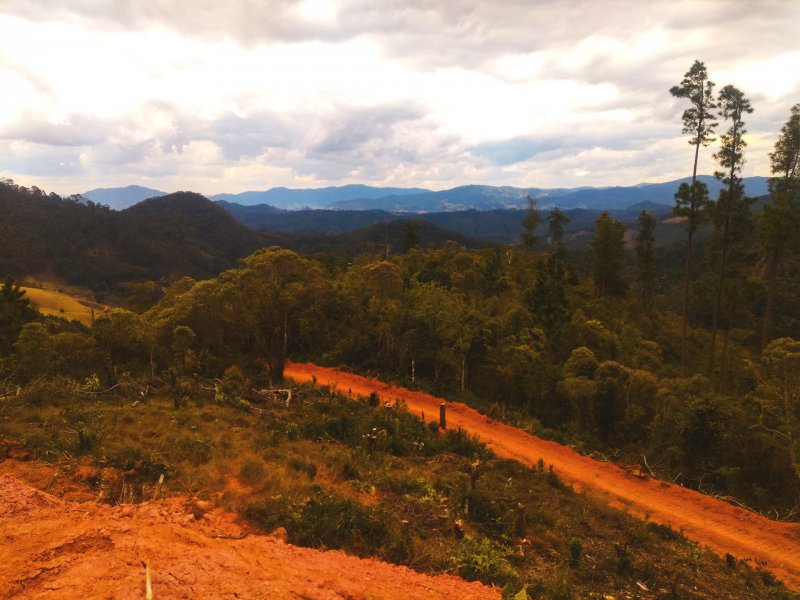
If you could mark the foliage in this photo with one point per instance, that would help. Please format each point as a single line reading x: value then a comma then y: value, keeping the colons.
x: 15, y: 311
x: 608, y: 252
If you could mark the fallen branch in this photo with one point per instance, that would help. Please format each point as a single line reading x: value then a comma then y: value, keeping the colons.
x: 653, y: 475
x: 116, y: 385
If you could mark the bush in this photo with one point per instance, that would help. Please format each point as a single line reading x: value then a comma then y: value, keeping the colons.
x: 331, y: 521
x: 271, y: 513
x: 484, y: 509
x: 479, y: 558
x: 575, y: 552
x: 88, y: 440
x: 559, y: 589
x: 251, y: 472
x: 304, y: 466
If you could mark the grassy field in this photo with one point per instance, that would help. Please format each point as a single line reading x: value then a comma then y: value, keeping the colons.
x: 59, y: 304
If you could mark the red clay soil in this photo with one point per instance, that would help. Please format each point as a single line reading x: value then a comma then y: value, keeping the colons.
x: 51, y: 548
x: 722, y: 527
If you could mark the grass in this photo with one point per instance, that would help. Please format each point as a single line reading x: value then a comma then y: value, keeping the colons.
x: 59, y: 304
x: 374, y: 481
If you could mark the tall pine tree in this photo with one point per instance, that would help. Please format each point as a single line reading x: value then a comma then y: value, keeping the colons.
x: 732, y: 211
x: 698, y: 121
x: 529, y: 225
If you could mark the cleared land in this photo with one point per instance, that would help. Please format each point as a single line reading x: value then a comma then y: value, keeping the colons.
x: 59, y: 304
x: 56, y: 549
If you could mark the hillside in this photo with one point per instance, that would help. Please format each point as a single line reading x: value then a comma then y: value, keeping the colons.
x: 80, y: 242
x: 496, y: 226
x: 711, y: 522
x: 393, y: 235
x: 324, y: 472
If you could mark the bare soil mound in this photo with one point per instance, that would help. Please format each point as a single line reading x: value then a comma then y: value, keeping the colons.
x: 50, y: 548
x: 719, y: 525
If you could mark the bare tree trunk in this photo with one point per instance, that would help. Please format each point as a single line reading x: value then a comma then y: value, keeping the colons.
x: 687, y: 273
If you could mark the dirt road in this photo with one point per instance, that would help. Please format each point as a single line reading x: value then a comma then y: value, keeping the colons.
x: 721, y: 526
x: 50, y: 548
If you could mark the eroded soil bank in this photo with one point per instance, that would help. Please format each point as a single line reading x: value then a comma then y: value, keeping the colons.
x: 50, y: 548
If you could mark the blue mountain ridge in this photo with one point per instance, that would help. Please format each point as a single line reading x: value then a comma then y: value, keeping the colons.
x: 419, y: 200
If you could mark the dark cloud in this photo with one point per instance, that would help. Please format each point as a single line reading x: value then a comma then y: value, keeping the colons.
x: 349, y: 129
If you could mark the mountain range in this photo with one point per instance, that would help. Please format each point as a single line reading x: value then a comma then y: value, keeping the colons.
x: 418, y: 200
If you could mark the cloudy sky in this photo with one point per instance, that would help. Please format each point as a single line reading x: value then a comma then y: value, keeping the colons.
x: 234, y: 95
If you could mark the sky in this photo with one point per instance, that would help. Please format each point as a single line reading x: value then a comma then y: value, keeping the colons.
x: 227, y: 96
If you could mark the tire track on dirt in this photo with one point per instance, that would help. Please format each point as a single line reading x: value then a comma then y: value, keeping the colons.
x: 722, y: 527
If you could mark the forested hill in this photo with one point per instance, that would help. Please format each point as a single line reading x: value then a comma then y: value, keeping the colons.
x: 184, y: 233
x: 390, y: 236
x: 497, y: 226
x: 85, y: 243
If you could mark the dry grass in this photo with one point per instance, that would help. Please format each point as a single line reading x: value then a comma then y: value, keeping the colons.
x: 59, y: 304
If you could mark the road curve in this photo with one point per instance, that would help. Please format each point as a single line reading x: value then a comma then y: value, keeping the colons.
x: 722, y: 527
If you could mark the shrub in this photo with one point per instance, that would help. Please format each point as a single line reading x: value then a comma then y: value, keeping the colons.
x: 333, y: 521
x: 575, y: 552
x: 624, y: 559
x: 251, y: 472
x: 304, y: 466
x: 271, y: 513
x: 559, y: 589
x: 479, y: 558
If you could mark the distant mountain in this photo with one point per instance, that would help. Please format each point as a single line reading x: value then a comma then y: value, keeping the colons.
x: 484, y: 197
x: 478, y: 197
x: 658, y: 193
x: 286, y: 198
x: 419, y: 200
x: 120, y: 198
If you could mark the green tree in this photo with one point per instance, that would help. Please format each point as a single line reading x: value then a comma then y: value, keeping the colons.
x: 778, y: 226
x: 411, y: 237
x: 786, y: 156
x: 492, y: 281
x: 529, y: 225
x: 731, y: 213
x: 281, y: 298
x: 547, y: 300
x: 556, y: 222
x: 608, y: 253
x: 698, y: 121
x: 645, y: 240
x: 15, y: 311
x: 779, y: 394
x: 125, y: 340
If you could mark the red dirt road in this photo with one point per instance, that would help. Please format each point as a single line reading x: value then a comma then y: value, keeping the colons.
x: 50, y: 548
x: 721, y: 526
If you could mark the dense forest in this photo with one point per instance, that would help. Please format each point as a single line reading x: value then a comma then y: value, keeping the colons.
x: 683, y: 358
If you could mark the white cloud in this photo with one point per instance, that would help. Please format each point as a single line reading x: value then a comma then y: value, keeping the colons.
x: 240, y: 95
